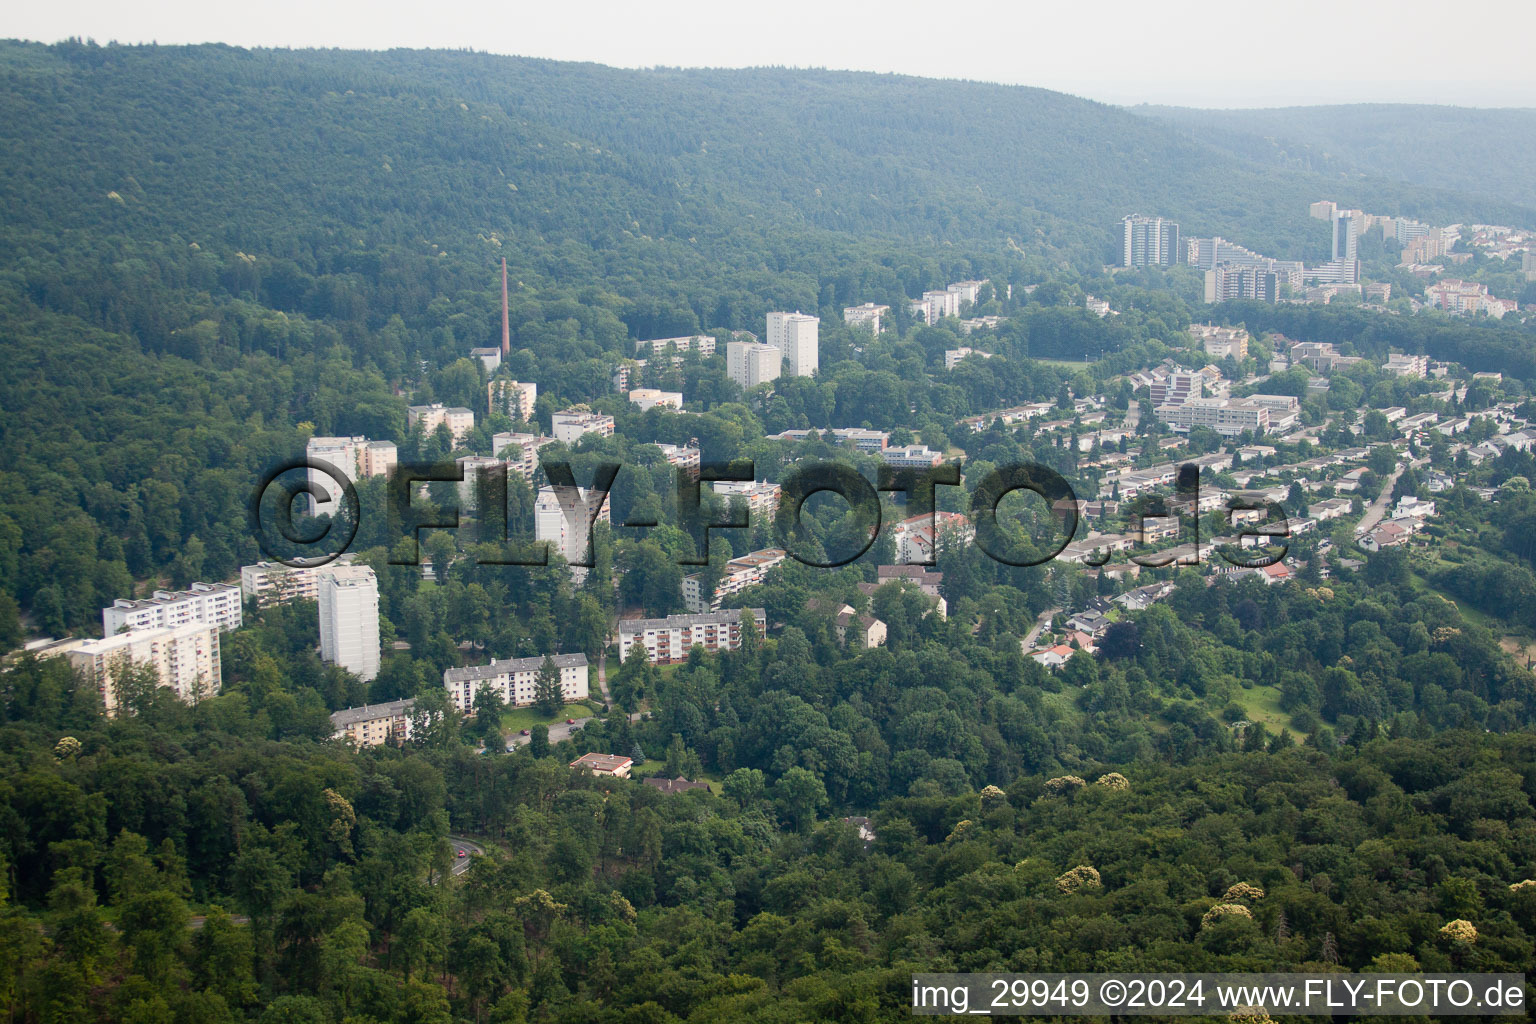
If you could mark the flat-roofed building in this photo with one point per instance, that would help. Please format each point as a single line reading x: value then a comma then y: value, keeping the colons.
x: 703, y: 344
x: 184, y: 659
x: 212, y: 604
x: 348, y: 597
x: 519, y: 451
x: 739, y: 574
x: 459, y: 420
x: 571, y: 425
x: 612, y: 765
x: 868, y: 315
x: 512, y: 398
x: 650, y: 398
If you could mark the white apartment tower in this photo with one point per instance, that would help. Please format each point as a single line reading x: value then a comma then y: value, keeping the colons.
x: 349, y: 619
x: 796, y: 335
x: 565, y: 520
x: 1150, y: 242
x: 513, y: 398
x: 750, y: 363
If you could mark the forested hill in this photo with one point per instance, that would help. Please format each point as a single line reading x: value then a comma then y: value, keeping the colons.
x: 1487, y: 152
x: 273, y: 149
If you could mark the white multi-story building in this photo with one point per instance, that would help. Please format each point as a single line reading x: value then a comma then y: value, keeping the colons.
x: 348, y: 596
x: 514, y: 679
x: 669, y: 640
x: 650, y: 398
x: 512, y: 398
x: 353, y: 457
x: 952, y: 356
x: 740, y: 573
x: 797, y: 336
x: 965, y: 291
x: 867, y: 315
x: 185, y: 659
x: 521, y: 451
x: 750, y: 363
x: 1407, y: 365
x: 762, y: 498
x: 565, y: 518
x: 570, y: 425
x: 459, y: 420
x: 870, y: 442
x: 212, y: 604
x: 1466, y: 297
x: 472, y: 466
x: 1227, y: 417
x: 935, y: 305
x: 1149, y: 242
x: 704, y: 343
x: 1284, y: 410
x: 373, y: 725
x: 912, y: 456
x: 682, y: 457
x: 918, y: 538
x: 1177, y: 388
x: 269, y: 583
x: 1221, y: 342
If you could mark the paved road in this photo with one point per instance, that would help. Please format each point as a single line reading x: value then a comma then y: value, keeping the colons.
x: 463, y: 851
x: 1041, y: 622
x: 1378, y: 507
x: 560, y: 731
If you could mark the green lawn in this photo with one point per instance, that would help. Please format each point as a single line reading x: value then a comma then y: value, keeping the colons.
x: 1262, y: 704
x: 519, y: 719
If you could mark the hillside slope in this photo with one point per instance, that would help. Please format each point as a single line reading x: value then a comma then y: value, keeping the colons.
x: 1483, y: 152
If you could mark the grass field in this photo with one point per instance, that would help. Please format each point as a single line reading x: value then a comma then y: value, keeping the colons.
x: 1261, y: 704
x: 519, y: 719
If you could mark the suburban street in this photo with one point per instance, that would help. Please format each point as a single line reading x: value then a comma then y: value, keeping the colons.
x: 1378, y: 509
x: 1041, y: 622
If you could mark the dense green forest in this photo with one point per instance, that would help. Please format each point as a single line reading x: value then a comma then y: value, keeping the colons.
x: 212, y: 254
x: 1487, y: 152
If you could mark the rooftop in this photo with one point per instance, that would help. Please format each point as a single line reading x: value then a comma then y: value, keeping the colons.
x: 470, y: 673
x: 369, y: 712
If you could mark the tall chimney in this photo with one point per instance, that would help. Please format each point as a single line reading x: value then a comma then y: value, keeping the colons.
x: 506, y: 330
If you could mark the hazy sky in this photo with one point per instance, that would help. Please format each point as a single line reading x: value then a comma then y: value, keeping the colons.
x: 1209, y: 54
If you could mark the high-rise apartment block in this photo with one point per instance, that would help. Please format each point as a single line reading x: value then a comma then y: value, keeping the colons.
x: 796, y: 335
x: 1177, y: 388
x: 751, y: 363
x: 184, y: 658
x: 1346, y: 234
x: 868, y: 315
x: 569, y: 425
x: 704, y: 344
x: 268, y: 583
x: 349, y: 618
x: 459, y: 420
x: 565, y: 518
x: 512, y: 398
x: 1149, y: 242
x: 739, y: 574
x: 354, y: 457
x: 212, y: 604
x: 519, y: 451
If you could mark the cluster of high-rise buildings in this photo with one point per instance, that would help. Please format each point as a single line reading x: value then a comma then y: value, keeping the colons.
x: 791, y: 346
